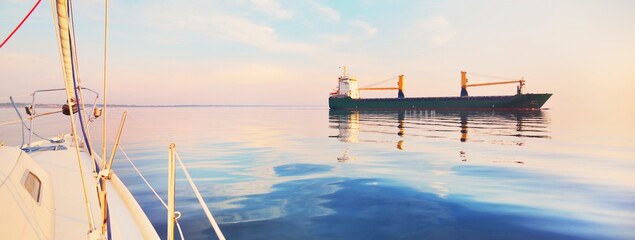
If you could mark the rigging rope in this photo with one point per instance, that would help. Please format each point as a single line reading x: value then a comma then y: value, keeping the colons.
x: 493, y: 76
x: 20, y: 24
x: 21, y: 119
x: 76, y: 85
x: 65, y: 41
x: 103, y: 133
x: 142, y: 177
x: 149, y: 186
x: 219, y: 234
x: 380, y: 82
x: 24, y: 124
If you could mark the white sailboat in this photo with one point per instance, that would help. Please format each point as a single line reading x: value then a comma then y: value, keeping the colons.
x: 45, y: 194
x: 59, y: 188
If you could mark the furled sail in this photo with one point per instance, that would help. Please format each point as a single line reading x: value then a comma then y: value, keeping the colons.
x: 69, y: 65
x: 63, y: 22
x: 72, y: 97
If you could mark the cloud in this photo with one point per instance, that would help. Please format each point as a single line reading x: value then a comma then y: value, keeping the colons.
x: 238, y: 29
x: 435, y: 22
x: 326, y: 11
x: 366, y: 28
x: 253, y: 73
x: 357, y: 30
x: 243, y: 30
x: 271, y: 8
x: 222, y: 25
x: 436, y: 30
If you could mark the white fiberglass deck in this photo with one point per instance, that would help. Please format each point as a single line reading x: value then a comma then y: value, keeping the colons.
x: 126, y: 217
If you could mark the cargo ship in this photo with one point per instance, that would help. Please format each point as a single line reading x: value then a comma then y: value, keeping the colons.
x: 347, y: 96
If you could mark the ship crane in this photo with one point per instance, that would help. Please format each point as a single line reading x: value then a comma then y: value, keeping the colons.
x: 464, y: 85
x: 399, y: 87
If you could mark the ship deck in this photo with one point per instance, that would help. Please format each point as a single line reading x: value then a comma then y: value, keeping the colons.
x: 532, y: 101
x: 71, y: 222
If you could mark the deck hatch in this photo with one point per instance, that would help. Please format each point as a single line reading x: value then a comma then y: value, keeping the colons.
x: 33, y: 185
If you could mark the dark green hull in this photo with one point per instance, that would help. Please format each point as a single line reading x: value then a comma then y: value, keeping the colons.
x: 512, y: 102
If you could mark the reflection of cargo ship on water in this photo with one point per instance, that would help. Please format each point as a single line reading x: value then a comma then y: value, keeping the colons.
x: 416, y: 129
x: 500, y: 127
x: 347, y: 96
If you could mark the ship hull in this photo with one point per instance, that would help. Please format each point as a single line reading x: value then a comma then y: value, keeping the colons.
x: 511, y: 102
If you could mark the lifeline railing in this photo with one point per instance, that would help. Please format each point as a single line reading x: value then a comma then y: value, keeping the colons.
x: 173, y: 215
x: 32, y: 113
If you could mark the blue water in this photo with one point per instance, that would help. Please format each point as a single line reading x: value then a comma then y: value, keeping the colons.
x: 311, y: 173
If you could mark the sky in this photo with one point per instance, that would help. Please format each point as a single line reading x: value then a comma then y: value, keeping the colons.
x: 290, y: 52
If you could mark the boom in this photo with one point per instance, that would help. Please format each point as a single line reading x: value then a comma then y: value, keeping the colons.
x: 464, y: 85
x: 521, y: 82
x: 399, y: 87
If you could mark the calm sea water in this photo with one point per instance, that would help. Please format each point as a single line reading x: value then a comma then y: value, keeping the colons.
x: 311, y: 173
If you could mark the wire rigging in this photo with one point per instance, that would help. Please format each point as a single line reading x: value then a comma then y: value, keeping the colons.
x: 65, y: 42
x: 380, y: 82
x: 149, y: 186
x: 76, y: 86
x: 493, y: 76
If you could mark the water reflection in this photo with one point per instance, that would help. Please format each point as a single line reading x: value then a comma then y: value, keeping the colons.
x: 434, y: 124
x: 345, y: 157
x: 271, y: 174
x: 501, y: 128
x: 463, y: 126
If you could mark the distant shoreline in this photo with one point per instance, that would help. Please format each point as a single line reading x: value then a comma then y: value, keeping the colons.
x: 45, y: 105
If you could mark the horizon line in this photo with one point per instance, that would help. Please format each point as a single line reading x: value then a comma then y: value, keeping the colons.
x: 8, y: 104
